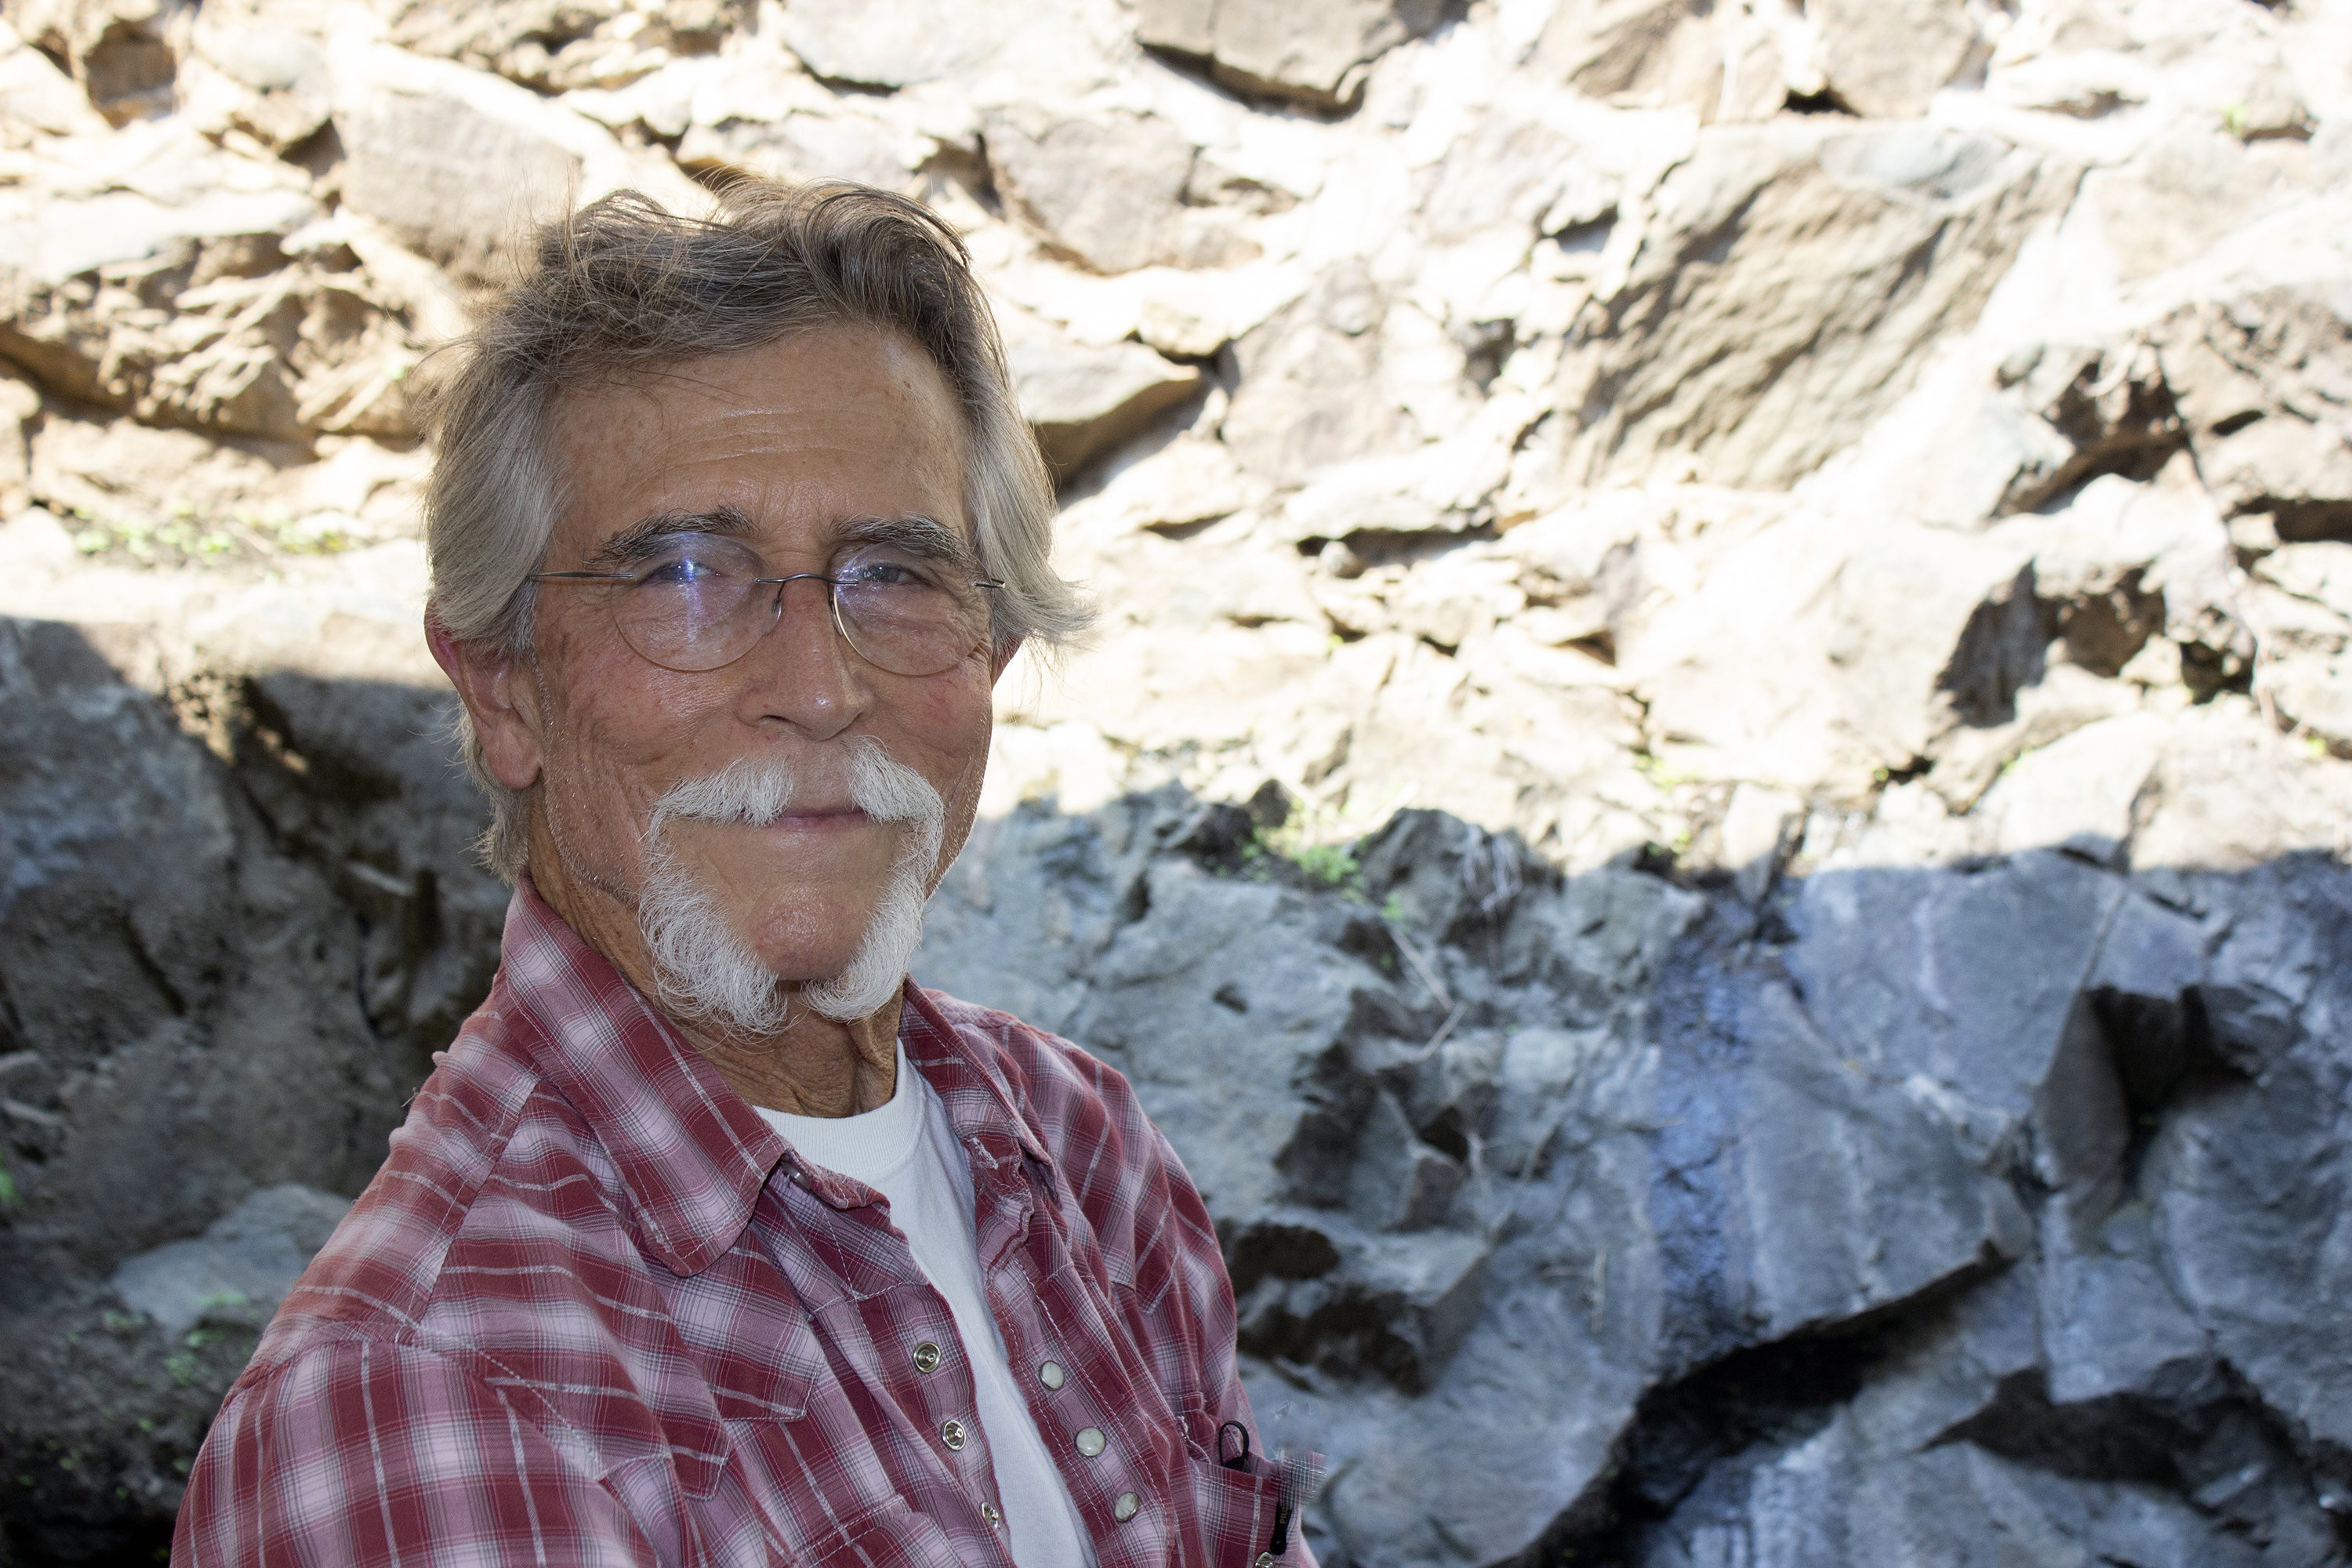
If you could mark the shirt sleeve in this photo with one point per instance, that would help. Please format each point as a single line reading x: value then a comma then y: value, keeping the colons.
x: 361, y: 1453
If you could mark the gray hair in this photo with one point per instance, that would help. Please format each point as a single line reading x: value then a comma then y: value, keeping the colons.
x: 623, y: 287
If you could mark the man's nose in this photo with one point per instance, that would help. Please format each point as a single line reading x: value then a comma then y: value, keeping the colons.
x: 803, y: 672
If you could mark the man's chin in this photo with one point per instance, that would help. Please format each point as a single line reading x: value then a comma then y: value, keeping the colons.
x: 710, y: 973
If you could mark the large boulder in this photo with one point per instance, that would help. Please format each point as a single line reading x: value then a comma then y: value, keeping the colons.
x: 1112, y: 193
x: 1784, y: 296
x: 1615, y: 1128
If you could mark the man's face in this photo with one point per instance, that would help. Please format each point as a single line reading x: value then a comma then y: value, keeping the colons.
x: 799, y: 451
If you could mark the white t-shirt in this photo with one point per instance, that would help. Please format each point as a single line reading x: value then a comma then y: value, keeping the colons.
x: 908, y: 1151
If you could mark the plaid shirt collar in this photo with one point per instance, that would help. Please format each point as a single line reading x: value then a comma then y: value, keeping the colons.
x: 691, y: 1153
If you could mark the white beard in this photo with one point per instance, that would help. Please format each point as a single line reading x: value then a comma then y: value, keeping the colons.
x: 707, y: 973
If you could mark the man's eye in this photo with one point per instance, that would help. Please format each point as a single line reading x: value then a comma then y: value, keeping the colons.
x: 886, y: 572
x: 679, y: 571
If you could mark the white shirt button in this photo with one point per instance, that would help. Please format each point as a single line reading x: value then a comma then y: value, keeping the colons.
x: 988, y: 1512
x: 927, y: 1357
x: 1264, y: 1560
x: 1090, y: 1440
x: 1125, y: 1508
x: 1050, y: 1375
x: 952, y: 1434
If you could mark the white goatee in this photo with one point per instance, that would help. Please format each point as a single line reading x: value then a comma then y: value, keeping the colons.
x: 704, y: 968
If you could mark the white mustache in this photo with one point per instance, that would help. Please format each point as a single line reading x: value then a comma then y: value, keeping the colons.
x: 757, y: 791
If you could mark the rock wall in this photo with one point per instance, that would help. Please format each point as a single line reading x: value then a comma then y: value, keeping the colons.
x: 1712, y: 805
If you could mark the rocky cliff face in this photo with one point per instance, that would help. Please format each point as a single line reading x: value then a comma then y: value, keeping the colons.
x: 1712, y: 808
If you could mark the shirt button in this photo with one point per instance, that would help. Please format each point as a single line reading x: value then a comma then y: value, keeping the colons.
x: 1264, y: 1560
x: 988, y: 1512
x: 952, y: 1434
x: 1124, y: 1509
x: 1050, y: 1375
x: 927, y: 1357
x: 1090, y: 1441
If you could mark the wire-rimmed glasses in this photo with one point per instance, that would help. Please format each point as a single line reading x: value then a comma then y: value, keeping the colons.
x: 697, y: 602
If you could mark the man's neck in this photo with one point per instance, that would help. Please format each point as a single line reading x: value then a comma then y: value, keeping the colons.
x: 814, y: 1065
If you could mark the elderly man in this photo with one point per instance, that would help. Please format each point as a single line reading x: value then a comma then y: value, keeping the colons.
x: 712, y: 1240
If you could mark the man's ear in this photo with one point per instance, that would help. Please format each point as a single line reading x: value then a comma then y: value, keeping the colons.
x: 501, y: 697
x: 1000, y: 658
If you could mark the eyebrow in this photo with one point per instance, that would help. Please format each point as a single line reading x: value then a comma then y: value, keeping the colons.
x: 643, y: 537
x: 916, y: 534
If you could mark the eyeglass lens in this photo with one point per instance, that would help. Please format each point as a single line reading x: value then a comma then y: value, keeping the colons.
x: 700, y: 603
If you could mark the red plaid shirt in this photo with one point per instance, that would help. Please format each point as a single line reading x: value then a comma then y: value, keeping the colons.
x: 594, y: 1310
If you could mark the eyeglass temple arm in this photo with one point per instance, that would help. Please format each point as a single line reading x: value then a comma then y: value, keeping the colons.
x: 778, y: 582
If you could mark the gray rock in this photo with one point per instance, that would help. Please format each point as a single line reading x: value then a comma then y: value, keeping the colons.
x: 1679, y: 1179
x: 168, y: 958
x: 800, y: 147
x: 1824, y: 1500
x: 1315, y: 54
x: 1934, y: 996
x: 2250, y: 1173
x: 2073, y: 412
x: 125, y: 55
x: 173, y: 959
x: 243, y: 1264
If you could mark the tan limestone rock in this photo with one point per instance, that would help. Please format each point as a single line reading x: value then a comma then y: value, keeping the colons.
x: 1784, y: 297
x: 1314, y: 52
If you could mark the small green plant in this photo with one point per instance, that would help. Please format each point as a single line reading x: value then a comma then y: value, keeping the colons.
x: 1321, y: 863
x: 1332, y: 865
x: 1654, y: 768
x: 185, y: 537
x: 1393, y: 908
x: 2233, y: 120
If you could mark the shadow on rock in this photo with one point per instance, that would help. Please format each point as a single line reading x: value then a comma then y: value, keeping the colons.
x: 234, y: 923
x: 1603, y: 1220
x: 1588, y: 1220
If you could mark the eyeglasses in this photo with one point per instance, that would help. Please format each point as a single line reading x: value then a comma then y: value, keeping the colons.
x: 697, y: 602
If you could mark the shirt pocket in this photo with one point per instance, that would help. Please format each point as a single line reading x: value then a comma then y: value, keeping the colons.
x: 892, y: 1534
x: 1240, y: 1515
